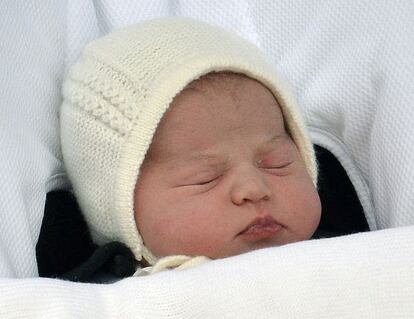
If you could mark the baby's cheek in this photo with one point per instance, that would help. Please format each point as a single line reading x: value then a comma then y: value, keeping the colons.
x: 158, y: 236
x: 312, y: 213
x: 172, y: 229
x: 195, y: 232
x: 305, y: 206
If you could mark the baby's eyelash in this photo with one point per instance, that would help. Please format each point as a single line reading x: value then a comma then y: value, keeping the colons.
x: 199, y: 182
x: 206, y: 182
x: 278, y: 166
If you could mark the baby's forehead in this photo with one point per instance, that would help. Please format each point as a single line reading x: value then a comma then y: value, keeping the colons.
x: 205, y: 99
x: 213, y: 105
x: 216, y: 81
x: 215, y: 92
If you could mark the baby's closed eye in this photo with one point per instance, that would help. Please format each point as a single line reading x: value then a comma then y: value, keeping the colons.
x: 200, y: 179
x: 276, y: 163
x: 206, y: 181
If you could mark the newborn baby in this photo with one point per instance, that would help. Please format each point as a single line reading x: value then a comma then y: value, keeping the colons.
x: 223, y: 176
x: 180, y: 139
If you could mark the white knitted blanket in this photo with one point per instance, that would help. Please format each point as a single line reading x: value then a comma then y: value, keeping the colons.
x: 352, y: 68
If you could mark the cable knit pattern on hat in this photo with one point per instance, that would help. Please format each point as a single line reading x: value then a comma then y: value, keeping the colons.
x: 117, y: 93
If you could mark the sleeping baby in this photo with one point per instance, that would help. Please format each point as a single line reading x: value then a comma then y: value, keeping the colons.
x: 181, y: 142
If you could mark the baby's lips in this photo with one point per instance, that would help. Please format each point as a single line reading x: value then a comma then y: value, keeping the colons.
x: 270, y: 227
x: 261, y: 228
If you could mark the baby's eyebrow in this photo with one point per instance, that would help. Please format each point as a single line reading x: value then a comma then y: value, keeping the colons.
x: 271, y: 142
x: 219, y: 161
x: 216, y: 161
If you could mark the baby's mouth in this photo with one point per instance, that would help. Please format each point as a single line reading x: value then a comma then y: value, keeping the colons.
x: 261, y: 228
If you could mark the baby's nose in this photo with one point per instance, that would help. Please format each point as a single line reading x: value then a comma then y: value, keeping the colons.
x: 249, y: 186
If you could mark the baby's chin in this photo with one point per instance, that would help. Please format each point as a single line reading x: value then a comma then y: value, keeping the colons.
x: 242, y: 244
x: 239, y: 247
x: 227, y: 251
x: 243, y: 249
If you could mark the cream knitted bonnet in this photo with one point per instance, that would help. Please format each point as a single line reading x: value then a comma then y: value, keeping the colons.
x: 117, y: 93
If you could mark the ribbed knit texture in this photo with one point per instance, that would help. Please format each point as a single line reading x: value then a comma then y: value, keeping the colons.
x: 117, y: 93
x: 352, y: 69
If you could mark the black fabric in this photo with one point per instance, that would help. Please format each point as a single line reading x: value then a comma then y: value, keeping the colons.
x: 65, y: 248
x: 342, y: 212
x: 64, y: 241
x: 113, y: 258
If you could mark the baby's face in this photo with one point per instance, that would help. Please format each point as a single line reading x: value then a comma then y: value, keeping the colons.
x: 222, y: 176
